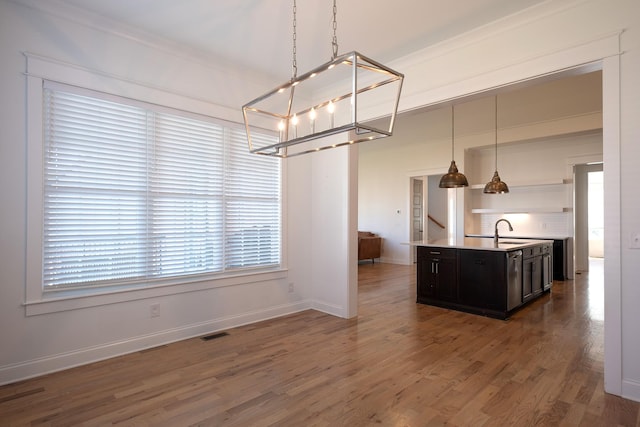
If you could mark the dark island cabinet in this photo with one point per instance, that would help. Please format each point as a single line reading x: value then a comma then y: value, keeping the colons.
x: 437, y: 274
x: 487, y: 282
x: 482, y: 279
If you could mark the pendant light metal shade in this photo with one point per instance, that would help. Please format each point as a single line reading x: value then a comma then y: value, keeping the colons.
x: 496, y: 185
x: 453, y: 178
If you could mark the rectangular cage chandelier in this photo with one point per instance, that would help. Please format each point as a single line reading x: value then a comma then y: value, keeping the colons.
x: 348, y: 100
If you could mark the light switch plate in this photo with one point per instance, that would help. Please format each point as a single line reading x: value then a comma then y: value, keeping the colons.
x: 634, y: 241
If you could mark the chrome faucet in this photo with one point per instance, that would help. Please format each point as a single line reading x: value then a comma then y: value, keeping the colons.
x: 495, y: 233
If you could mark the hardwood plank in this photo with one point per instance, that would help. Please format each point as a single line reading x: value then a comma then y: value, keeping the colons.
x: 398, y: 363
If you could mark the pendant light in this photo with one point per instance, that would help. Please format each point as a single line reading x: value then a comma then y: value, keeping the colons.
x: 351, y: 97
x: 453, y: 178
x: 496, y: 185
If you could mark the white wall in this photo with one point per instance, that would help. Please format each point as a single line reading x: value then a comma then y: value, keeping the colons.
x: 547, y: 162
x: 332, y: 225
x: 35, y: 344
x: 419, y: 144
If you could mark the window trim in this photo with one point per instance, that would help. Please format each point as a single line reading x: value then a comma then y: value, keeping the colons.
x: 37, y: 300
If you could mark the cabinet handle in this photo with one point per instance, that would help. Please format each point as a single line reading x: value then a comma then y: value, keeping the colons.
x: 434, y: 266
x: 434, y: 253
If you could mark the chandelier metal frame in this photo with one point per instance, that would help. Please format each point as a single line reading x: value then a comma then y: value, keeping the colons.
x: 333, y: 98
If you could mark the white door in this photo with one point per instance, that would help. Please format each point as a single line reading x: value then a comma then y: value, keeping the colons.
x: 417, y: 216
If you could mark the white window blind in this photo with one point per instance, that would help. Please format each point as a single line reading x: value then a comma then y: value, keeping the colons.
x: 133, y: 192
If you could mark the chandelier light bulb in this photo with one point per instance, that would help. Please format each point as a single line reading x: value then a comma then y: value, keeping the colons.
x: 280, y: 129
x: 312, y: 119
x: 331, y: 109
x: 294, y: 121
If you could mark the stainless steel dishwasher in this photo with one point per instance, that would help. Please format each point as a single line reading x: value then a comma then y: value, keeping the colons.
x: 514, y: 279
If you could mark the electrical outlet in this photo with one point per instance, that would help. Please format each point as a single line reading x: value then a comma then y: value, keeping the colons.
x: 155, y: 310
x: 290, y: 287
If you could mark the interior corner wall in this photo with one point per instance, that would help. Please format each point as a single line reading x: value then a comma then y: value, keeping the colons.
x: 333, y: 245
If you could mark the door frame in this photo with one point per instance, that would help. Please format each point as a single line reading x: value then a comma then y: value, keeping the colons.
x: 577, y: 243
x: 451, y: 202
x: 581, y: 213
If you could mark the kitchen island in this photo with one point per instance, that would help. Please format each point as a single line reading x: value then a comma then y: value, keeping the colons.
x: 562, y: 252
x: 480, y: 276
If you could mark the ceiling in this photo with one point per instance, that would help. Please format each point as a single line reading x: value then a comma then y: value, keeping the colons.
x: 258, y: 33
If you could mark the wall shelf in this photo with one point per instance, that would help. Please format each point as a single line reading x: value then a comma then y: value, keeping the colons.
x: 536, y: 183
x: 521, y: 210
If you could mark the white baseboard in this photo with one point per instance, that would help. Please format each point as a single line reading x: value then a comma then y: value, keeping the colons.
x: 58, y: 362
x: 631, y: 390
x: 395, y: 261
x: 331, y: 309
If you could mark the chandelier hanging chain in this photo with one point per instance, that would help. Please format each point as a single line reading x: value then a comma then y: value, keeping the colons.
x: 294, y: 61
x: 282, y: 124
x: 334, y: 42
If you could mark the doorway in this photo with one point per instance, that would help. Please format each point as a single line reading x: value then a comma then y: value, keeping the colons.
x: 588, y: 214
x: 429, y: 209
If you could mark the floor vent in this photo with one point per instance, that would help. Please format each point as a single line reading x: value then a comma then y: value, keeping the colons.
x: 214, y: 336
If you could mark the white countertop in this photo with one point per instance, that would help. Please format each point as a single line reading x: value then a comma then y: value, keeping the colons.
x: 504, y: 244
x: 519, y: 237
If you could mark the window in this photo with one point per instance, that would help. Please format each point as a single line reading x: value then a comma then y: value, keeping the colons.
x: 134, y: 192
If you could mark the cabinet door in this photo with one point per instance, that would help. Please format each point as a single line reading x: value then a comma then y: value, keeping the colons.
x: 425, y: 277
x: 531, y: 277
x: 483, y: 279
x: 527, y: 278
x: 446, y: 278
x: 536, y: 278
x: 547, y: 267
x: 437, y: 274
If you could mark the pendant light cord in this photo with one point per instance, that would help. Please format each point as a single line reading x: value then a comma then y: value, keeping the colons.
x: 453, y: 133
x: 496, y: 120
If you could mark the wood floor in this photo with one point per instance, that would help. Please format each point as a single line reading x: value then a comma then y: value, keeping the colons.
x: 398, y: 364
